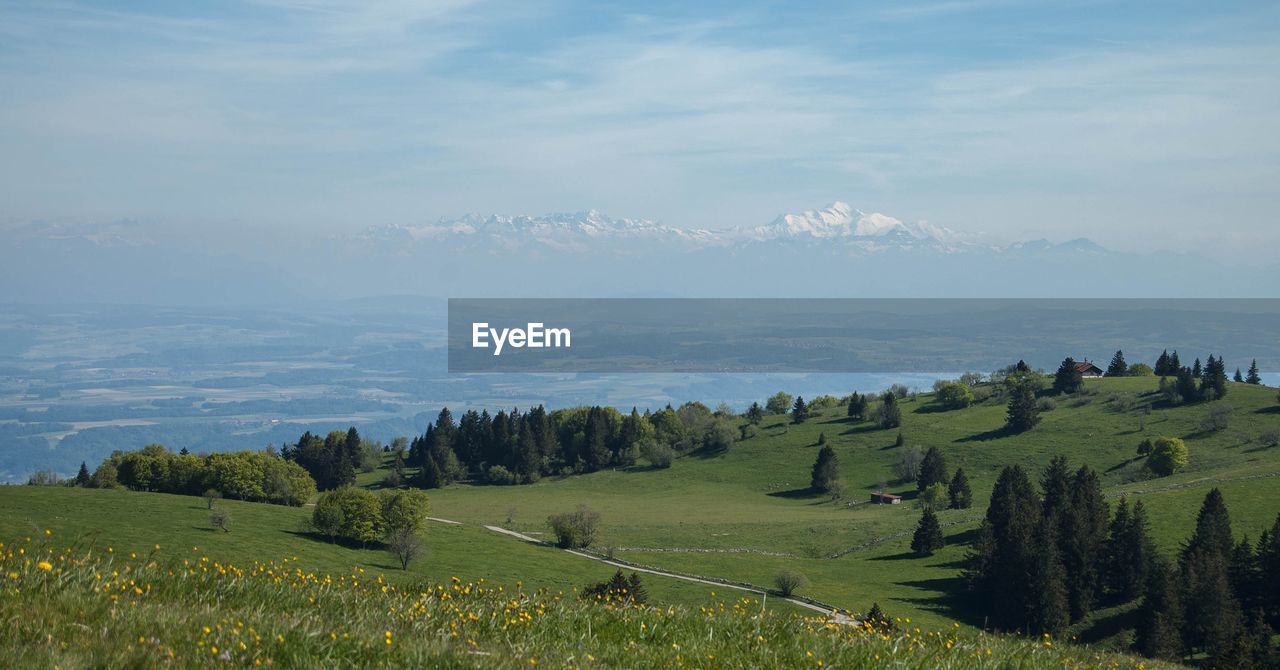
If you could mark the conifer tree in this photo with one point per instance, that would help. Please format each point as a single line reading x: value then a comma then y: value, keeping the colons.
x: 933, y: 469
x: 1159, y: 629
x: 755, y: 414
x: 928, y: 536
x: 83, y: 477
x: 1212, y: 617
x: 826, y: 471
x: 1083, y: 541
x: 1162, y: 368
x: 799, y: 411
x: 1129, y: 551
x: 1118, y: 367
x: 1253, y: 377
x: 1004, y: 552
x: 1048, y: 609
x: 1022, y: 414
x: 1238, y: 377
x: 958, y: 491
x: 1186, y: 385
x: 1068, y: 378
x: 1196, y: 369
x: 857, y: 409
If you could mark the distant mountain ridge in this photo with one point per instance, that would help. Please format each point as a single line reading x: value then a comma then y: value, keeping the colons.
x: 839, y: 222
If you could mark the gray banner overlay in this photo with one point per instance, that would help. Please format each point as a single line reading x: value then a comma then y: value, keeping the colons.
x: 847, y: 335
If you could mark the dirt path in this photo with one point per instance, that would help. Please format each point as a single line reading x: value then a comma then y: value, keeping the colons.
x: 836, y: 617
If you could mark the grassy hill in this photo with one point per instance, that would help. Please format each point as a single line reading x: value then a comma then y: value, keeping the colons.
x: 76, y: 604
x: 747, y: 513
x: 742, y: 515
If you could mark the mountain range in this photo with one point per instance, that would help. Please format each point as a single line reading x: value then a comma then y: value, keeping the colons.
x: 837, y: 251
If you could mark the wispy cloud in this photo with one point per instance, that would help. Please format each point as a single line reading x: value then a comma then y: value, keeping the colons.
x: 337, y: 113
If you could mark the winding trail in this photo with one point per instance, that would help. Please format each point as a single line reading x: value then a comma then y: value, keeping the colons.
x: 832, y: 614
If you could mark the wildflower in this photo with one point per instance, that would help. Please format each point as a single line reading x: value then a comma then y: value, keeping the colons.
x: 45, y: 565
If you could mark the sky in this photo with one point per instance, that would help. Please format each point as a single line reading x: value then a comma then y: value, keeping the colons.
x: 1144, y: 126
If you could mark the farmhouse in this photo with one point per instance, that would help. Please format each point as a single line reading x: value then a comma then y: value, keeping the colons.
x: 1088, y: 369
x: 882, y: 498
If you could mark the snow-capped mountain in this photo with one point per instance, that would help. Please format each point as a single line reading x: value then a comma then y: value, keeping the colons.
x: 838, y: 222
x: 841, y: 221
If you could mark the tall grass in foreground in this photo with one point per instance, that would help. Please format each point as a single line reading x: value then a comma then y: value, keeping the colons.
x: 75, y: 605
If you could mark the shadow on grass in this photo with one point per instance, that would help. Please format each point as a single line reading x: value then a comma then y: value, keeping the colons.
x: 904, y: 556
x: 952, y: 599
x: 986, y: 436
x: 968, y: 536
x: 931, y: 408
x: 862, y: 429
x: 1273, y: 409
x: 1098, y: 628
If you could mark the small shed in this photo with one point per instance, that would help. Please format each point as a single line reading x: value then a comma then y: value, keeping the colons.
x: 882, y: 498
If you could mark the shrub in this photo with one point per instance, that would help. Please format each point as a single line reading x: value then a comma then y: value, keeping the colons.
x: 887, y: 414
x: 953, y: 395
x: 212, y: 495
x: 1269, y: 437
x: 934, y: 496
x: 1046, y: 405
x: 779, y: 403
x: 907, y: 467
x: 351, y: 513
x: 575, y: 530
x: 1218, y: 418
x: 823, y: 402
x: 43, y: 478
x: 618, y: 589
x: 1140, y: 370
x: 899, y: 391
x: 659, y: 455
x: 788, y: 581
x: 972, y: 379
x: 500, y: 476
x: 1168, y: 455
x: 405, y: 510
x: 1145, y: 447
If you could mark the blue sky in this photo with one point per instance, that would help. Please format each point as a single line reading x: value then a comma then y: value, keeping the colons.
x: 1140, y: 125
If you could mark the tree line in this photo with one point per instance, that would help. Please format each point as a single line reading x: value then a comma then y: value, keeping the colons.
x: 1046, y: 558
x: 256, y: 476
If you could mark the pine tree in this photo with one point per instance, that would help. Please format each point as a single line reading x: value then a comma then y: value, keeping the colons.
x: 826, y: 471
x: 857, y: 409
x: 83, y: 477
x: 1253, y: 377
x: 933, y: 469
x: 1197, y: 370
x: 1212, y: 617
x: 1055, y: 487
x: 958, y: 491
x: 1118, y: 367
x: 1243, y: 572
x: 1083, y: 541
x: 1048, y: 608
x: 755, y: 414
x: 928, y: 536
x: 1159, y: 629
x: 799, y: 411
x: 1129, y: 552
x: 1269, y: 565
x: 1238, y: 377
x: 1162, y: 364
x: 1175, y: 363
x: 1004, y: 552
x: 1214, y: 379
x: 429, y: 477
x: 1023, y: 414
x: 1068, y: 378
x: 1186, y: 385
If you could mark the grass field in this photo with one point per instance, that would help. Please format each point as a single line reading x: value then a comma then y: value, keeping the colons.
x: 71, y: 604
x: 746, y: 514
